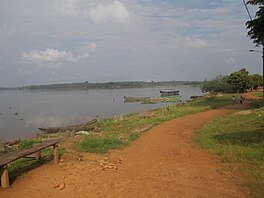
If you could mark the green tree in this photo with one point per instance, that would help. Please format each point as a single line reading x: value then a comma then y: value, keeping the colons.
x: 256, y: 26
x: 218, y: 84
x: 240, y: 80
x: 256, y: 81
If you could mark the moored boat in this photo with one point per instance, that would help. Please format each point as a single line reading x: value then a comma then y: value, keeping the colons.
x: 169, y: 93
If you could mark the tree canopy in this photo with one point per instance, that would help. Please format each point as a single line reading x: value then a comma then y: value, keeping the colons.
x: 256, y: 26
x: 238, y: 81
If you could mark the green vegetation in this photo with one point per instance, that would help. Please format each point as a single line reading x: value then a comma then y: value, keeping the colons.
x: 28, y: 143
x: 259, y: 94
x: 119, y: 131
x: 100, y: 145
x: 255, y: 26
x: 239, y: 139
x: 218, y: 84
x: 238, y: 81
x: 151, y: 100
x: 21, y: 166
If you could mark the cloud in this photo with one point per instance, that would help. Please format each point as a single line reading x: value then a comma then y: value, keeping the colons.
x: 47, y: 56
x: 196, y: 43
x: 115, y: 12
x: 67, y: 8
x: 87, y: 50
x: 54, y: 58
x: 230, y: 61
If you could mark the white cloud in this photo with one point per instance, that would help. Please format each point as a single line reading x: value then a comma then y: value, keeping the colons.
x: 196, y: 42
x: 87, y: 50
x: 66, y: 7
x: 48, y: 55
x: 54, y: 58
x: 115, y: 12
x: 230, y: 61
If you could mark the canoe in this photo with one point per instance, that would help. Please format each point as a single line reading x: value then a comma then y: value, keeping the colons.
x: 169, y: 93
x: 81, y: 127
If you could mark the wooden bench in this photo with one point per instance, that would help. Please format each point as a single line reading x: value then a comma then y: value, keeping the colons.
x: 31, y: 152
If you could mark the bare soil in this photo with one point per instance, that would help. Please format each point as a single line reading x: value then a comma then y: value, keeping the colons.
x: 164, y: 162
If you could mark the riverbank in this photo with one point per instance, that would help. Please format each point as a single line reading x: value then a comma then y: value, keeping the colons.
x: 120, y: 131
x: 136, y: 123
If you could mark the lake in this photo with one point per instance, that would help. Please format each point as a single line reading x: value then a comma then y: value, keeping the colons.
x: 23, y: 112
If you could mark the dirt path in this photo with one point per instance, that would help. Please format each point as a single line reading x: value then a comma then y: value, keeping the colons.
x: 164, y: 162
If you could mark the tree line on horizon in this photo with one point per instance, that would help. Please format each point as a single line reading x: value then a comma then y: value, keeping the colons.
x: 236, y: 82
x: 107, y: 85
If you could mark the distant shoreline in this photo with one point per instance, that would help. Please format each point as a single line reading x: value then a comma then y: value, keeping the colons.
x: 108, y: 85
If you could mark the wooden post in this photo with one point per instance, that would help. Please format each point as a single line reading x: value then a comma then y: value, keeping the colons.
x: 37, y: 155
x: 56, y: 154
x: 73, y: 133
x: 4, y: 177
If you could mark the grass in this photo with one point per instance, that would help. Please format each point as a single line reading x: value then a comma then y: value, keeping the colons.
x: 21, y: 166
x: 259, y: 94
x: 119, y: 131
x: 238, y: 138
x: 100, y: 145
x: 28, y: 143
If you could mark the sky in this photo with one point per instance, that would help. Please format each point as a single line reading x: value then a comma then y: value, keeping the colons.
x: 64, y: 41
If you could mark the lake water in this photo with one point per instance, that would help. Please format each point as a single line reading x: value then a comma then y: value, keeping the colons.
x: 23, y: 112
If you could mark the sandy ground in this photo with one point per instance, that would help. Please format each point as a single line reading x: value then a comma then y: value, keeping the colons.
x: 164, y: 162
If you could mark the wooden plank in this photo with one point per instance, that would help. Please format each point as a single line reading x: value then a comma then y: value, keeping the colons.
x: 36, y: 155
x: 4, y: 177
x: 56, y: 154
x: 5, y: 159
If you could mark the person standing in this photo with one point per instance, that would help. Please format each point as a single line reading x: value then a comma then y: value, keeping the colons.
x: 233, y: 99
x: 241, y: 100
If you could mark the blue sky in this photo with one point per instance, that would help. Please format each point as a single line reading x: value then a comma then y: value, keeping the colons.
x: 57, y: 41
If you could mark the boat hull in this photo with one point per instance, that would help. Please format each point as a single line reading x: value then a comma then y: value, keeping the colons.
x: 169, y: 93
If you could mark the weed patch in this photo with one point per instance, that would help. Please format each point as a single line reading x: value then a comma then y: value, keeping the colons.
x: 28, y: 143
x: 100, y: 145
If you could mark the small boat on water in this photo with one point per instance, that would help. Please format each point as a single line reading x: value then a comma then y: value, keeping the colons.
x: 169, y: 93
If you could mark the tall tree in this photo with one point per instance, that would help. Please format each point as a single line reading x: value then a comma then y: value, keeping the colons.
x: 256, y: 81
x: 240, y: 80
x: 256, y: 26
x: 218, y: 84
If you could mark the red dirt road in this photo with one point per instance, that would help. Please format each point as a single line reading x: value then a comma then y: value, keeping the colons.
x: 164, y: 162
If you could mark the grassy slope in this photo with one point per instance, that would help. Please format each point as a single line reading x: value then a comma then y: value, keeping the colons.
x: 120, y: 131
x: 238, y: 138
